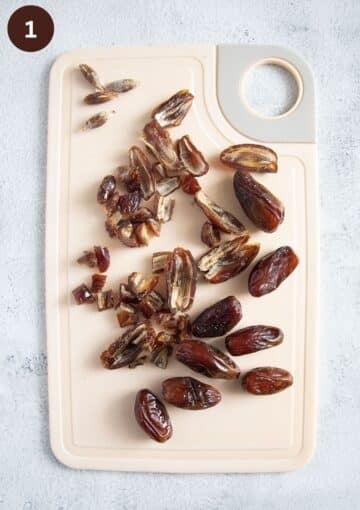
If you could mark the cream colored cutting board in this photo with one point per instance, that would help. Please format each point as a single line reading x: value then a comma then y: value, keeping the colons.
x: 91, y: 409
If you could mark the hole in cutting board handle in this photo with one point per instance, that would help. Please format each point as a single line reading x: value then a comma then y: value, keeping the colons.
x: 271, y: 88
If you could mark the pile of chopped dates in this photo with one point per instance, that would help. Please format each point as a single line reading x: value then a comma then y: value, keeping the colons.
x: 157, y: 323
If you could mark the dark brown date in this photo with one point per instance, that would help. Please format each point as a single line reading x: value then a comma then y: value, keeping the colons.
x: 271, y: 271
x: 82, y: 294
x: 253, y: 339
x: 206, y: 360
x: 129, y: 203
x: 218, y: 319
x: 106, y: 189
x: 152, y: 416
x: 259, y: 204
x: 189, y: 393
x: 267, y: 380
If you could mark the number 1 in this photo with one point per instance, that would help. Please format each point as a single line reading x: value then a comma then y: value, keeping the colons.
x: 30, y: 33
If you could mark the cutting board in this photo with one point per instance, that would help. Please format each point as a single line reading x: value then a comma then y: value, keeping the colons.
x: 91, y: 409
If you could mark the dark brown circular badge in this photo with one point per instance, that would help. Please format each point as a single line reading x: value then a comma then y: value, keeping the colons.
x: 30, y: 28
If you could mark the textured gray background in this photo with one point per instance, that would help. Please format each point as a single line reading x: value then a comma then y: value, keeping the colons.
x: 326, y: 33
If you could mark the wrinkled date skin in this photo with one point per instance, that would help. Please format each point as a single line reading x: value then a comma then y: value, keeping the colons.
x: 267, y: 380
x: 106, y: 189
x: 272, y: 270
x: 253, y: 339
x: 189, y: 393
x: 206, y: 360
x: 152, y: 416
x: 259, y: 204
x: 218, y: 319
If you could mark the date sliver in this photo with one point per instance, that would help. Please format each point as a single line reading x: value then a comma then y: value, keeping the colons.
x: 189, y: 393
x: 253, y: 339
x: 267, y: 380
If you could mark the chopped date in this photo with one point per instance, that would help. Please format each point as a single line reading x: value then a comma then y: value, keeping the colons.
x: 164, y: 207
x: 160, y: 261
x: 102, y: 255
x: 267, y: 380
x: 222, y: 219
x: 218, y: 319
x: 259, y: 204
x: 106, y: 189
x: 206, y: 360
x: 88, y: 258
x: 83, y: 294
x: 189, y: 393
x: 153, y: 302
x: 98, y: 282
x: 250, y: 158
x: 271, y: 270
x: 161, y: 356
x: 167, y: 185
x: 105, y: 300
x: 126, y: 296
x: 142, y: 171
x: 172, y: 111
x: 152, y: 416
x: 127, y: 315
x: 210, y: 234
x: 253, y: 339
x: 189, y: 184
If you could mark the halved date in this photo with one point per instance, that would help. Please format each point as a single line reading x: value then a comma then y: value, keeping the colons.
x: 259, y: 204
x: 163, y: 208
x: 267, y: 380
x: 152, y: 416
x: 142, y: 170
x: 189, y: 393
x: 158, y: 140
x: 206, y: 360
x: 227, y: 260
x: 191, y: 158
x: 101, y: 96
x: 271, y: 270
x: 253, y: 339
x: 167, y: 185
x: 218, y: 319
x: 180, y: 280
x: 224, y: 220
x: 172, y: 111
x: 250, y: 158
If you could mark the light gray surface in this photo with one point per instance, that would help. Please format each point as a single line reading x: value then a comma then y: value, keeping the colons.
x: 326, y: 34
